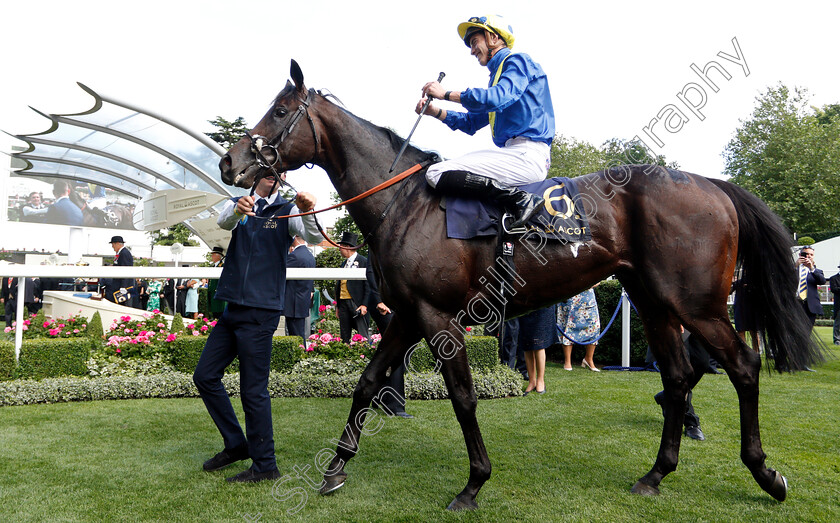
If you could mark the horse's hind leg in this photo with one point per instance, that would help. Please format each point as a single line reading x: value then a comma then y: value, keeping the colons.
x: 395, y: 343
x: 663, y: 332
x: 447, y: 344
x: 743, y: 366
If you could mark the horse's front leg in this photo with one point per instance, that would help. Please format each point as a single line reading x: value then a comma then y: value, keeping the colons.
x: 675, y: 371
x: 395, y: 343
x: 447, y: 344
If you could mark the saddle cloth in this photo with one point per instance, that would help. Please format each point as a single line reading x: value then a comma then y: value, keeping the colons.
x: 560, y: 218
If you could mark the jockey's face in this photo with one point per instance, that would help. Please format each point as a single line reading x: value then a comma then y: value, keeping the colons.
x: 484, y: 44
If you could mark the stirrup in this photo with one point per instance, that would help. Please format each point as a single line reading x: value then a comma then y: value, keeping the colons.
x: 517, y: 230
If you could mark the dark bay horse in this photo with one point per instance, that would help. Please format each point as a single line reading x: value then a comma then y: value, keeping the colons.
x: 672, y: 238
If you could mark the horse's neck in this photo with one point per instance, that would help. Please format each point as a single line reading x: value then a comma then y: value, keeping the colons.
x: 359, y: 159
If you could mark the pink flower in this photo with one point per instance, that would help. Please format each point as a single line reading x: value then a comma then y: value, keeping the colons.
x: 118, y: 350
x: 161, y: 325
x: 7, y: 329
x: 75, y: 331
x: 60, y: 325
x: 133, y: 342
x: 468, y: 329
x: 362, y: 356
x: 46, y: 324
x: 326, y: 337
x: 144, y: 333
x: 310, y: 348
x: 26, y: 327
x: 334, y: 302
x: 196, y: 333
x: 313, y: 336
x: 322, y: 308
x: 204, y: 328
x: 55, y: 332
x: 27, y: 322
x: 171, y: 338
x: 190, y: 326
x: 358, y: 337
x: 84, y: 325
x: 213, y: 323
x: 156, y: 311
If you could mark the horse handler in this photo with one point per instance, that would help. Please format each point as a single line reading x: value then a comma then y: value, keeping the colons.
x: 517, y: 107
x: 253, y: 284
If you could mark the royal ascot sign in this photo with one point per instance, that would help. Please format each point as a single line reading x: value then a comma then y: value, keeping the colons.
x: 163, y: 209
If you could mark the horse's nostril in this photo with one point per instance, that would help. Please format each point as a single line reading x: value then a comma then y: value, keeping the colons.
x: 224, y: 164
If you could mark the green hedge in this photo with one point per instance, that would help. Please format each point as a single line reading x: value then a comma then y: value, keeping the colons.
x: 49, y: 358
x: 608, y: 351
x: 482, y: 352
x: 7, y: 360
x: 496, y: 383
x: 285, y: 352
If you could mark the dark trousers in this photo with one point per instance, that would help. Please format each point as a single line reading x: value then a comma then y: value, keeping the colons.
x: 392, y: 393
x: 836, y: 332
x: 244, y: 332
x: 10, y: 309
x: 296, y: 327
x: 348, y: 320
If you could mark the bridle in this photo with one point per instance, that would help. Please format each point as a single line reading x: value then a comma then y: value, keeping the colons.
x: 265, y: 151
x: 267, y: 155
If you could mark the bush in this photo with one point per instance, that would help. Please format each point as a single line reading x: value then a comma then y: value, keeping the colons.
x: 608, y: 351
x: 94, y: 328
x: 7, y: 360
x: 285, y: 352
x: 482, y: 353
x: 496, y: 383
x: 177, y: 324
x: 47, y: 358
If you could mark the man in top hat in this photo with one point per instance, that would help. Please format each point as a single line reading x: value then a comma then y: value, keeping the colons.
x: 122, y: 258
x: 216, y: 307
x: 834, y: 287
x: 352, y: 295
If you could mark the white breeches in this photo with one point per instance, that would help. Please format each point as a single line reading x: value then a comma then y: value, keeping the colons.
x: 519, y: 162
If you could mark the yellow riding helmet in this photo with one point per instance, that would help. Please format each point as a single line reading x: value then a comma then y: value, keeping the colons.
x: 493, y: 23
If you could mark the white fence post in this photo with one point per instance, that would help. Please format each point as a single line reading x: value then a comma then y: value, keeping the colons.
x: 625, y: 329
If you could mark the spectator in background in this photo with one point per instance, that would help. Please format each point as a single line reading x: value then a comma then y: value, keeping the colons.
x: 510, y: 352
x: 168, y: 296
x: 392, y: 397
x: 34, y: 209
x: 120, y: 290
x: 298, y: 292
x: 155, y: 292
x: 142, y: 287
x: 834, y: 287
x: 216, y: 307
x: 63, y: 211
x: 809, y: 278
x: 9, y: 299
x: 351, y: 295
x: 191, y: 299
x: 537, y: 332
x: 579, y: 322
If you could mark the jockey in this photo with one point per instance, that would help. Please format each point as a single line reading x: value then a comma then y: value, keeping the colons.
x: 517, y: 106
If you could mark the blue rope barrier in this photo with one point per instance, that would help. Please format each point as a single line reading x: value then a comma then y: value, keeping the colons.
x: 603, y: 332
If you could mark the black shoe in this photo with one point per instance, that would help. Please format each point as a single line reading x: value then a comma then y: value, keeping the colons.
x: 659, y: 398
x: 404, y: 414
x: 226, y: 457
x: 695, y: 433
x: 251, y: 476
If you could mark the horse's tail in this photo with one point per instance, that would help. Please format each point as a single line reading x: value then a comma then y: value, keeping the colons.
x: 770, y: 301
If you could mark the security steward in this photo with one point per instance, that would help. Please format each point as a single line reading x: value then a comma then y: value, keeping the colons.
x: 253, y: 284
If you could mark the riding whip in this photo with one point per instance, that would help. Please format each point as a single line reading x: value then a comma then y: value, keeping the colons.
x: 405, y: 144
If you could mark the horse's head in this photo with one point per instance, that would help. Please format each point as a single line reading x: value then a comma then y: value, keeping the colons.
x: 283, y: 140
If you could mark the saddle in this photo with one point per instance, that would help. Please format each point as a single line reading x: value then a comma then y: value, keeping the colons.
x: 561, y: 218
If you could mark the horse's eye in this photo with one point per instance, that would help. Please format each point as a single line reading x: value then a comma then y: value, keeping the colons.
x: 280, y: 112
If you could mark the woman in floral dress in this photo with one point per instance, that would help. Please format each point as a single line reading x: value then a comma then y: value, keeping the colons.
x: 154, y: 295
x: 578, y: 319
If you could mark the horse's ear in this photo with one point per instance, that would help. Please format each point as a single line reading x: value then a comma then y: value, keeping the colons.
x: 297, y: 76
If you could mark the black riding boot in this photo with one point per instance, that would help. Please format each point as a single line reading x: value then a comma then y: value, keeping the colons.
x: 522, y: 205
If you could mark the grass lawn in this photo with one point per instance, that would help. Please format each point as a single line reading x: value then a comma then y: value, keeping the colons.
x: 571, y: 454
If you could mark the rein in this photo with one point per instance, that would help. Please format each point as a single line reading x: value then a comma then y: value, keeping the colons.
x: 267, y: 156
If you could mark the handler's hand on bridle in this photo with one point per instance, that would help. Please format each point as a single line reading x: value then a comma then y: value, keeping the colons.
x: 245, y: 205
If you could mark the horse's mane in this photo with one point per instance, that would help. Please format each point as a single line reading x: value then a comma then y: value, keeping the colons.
x: 395, y: 140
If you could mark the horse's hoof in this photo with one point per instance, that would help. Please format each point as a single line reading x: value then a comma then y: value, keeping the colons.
x: 778, y: 489
x: 332, y: 483
x: 643, y: 489
x: 459, y: 504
